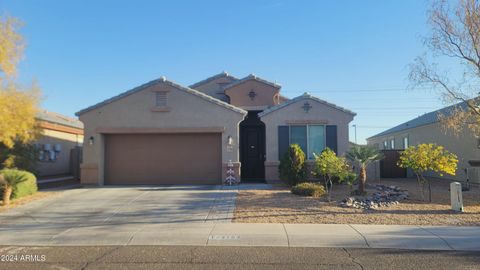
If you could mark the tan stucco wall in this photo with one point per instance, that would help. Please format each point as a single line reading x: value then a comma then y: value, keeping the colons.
x: 319, y: 113
x: 464, y: 146
x: 67, y: 142
x: 214, y: 88
x: 135, y: 112
x: 266, y: 95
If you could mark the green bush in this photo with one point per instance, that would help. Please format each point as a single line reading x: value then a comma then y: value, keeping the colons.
x: 292, y: 167
x: 309, y: 189
x: 21, y: 156
x: 26, y: 186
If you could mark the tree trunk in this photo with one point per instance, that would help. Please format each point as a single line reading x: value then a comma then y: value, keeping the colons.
x: 7, y: 192
x: 362, y: 180
x: 421, y: 183
x: 429, y: 191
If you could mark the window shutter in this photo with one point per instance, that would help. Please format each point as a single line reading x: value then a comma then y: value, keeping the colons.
x: 332, y: 143
x: 283, y: 141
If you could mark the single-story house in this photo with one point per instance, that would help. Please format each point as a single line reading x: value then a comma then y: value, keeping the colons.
x: 59, y: 146
x: 428, y: 129
x: 165, y: 133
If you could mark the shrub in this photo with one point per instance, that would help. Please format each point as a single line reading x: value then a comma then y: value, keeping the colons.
x: 330, y: 167
x: 292, y: 167
x: 350, y: 178
x: 308, y: 189
x: 22, y: 156
x: 17, y: 184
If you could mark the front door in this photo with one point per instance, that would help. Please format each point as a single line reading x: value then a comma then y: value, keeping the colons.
x: 252, y: 145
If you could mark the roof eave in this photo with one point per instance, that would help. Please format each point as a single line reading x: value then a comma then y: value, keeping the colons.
x: 162, y: 80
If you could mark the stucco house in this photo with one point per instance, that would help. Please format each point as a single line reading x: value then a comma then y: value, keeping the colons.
x: 428, y: 129
x: 165, y: 133
x: 59, y: 146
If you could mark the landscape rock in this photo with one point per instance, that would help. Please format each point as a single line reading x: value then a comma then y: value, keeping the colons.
x: 385, y: 196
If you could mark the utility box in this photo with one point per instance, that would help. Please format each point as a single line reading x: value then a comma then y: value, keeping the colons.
x: 456, y: 196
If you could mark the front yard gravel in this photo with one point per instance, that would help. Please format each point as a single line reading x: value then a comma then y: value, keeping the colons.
x: 278, y: 205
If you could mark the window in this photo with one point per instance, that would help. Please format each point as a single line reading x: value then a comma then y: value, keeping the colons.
x: 298, y: 135
x: 385, y: 144
x: 392, y: 144
x: 160, y: 99
x: 405, y: 142
x: 316, y: 140
x: 311, y: 138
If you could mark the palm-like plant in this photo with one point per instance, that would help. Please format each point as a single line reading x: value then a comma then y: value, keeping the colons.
x: 363, y: 156
x: 9, y: 178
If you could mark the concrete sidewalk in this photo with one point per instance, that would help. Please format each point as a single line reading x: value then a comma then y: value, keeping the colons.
x: 249, y: 234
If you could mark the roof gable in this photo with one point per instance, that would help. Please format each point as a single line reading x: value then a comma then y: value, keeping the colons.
x: 249, y: 78
x: 212, y: 78
x: 304, y: 97
x: 165, y: 81
x: 426, y: 119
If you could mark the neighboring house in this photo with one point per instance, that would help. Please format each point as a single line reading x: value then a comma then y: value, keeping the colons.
x: 165, y: 133
x: 59, y: 145
x: 428, y: 129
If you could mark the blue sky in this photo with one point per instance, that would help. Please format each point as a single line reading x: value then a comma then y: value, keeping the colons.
x: 352, y: 53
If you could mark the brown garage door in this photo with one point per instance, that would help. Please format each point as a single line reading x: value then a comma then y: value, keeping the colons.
x: 163, y: 159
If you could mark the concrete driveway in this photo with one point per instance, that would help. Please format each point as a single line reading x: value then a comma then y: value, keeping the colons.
x: 114, y: 209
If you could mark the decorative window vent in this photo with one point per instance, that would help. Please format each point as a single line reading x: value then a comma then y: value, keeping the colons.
x: 161, y: 99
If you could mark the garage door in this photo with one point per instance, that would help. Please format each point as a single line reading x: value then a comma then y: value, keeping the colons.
x: 132, y: 159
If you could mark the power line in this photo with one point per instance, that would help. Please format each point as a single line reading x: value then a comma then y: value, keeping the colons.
x: 367, y: 90
x: 394, y: 109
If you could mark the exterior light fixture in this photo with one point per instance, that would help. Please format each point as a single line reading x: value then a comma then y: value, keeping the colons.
x: 91, y: 140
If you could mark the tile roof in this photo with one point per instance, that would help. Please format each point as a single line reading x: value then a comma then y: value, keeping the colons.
x: 214, y: 77
x: 252, y: 77
x: 428, y: 118
x: 163, y: 80
x: 302, y: 97
x: 60, y: 119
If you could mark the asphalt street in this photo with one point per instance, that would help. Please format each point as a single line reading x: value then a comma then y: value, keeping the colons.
x: 193, y: 257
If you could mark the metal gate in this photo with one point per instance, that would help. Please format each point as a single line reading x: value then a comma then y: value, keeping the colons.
x: 389, y: 167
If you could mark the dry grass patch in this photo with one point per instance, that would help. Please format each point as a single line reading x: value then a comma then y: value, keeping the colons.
x: 278, y: 205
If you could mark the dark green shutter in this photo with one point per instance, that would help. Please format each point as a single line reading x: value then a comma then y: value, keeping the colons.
x: 283, y: 141
x: 332, y: 138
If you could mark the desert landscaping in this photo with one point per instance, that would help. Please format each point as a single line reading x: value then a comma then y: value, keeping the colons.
x: 279, y: 205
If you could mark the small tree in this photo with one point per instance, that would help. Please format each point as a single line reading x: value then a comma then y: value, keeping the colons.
x: 329, y: 166
x: 428, y: 157
x: 453, y: 43
x: 18, y: 106
x: 363, y: 156
x: 292, y: 167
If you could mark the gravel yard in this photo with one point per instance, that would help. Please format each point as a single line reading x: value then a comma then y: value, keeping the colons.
x: 278, y: 205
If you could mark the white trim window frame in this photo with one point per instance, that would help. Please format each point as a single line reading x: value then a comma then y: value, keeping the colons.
x: 307, y: 137
x: 406, y: 142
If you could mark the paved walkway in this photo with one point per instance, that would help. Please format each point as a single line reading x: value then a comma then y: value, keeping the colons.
x: 249, y: 234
